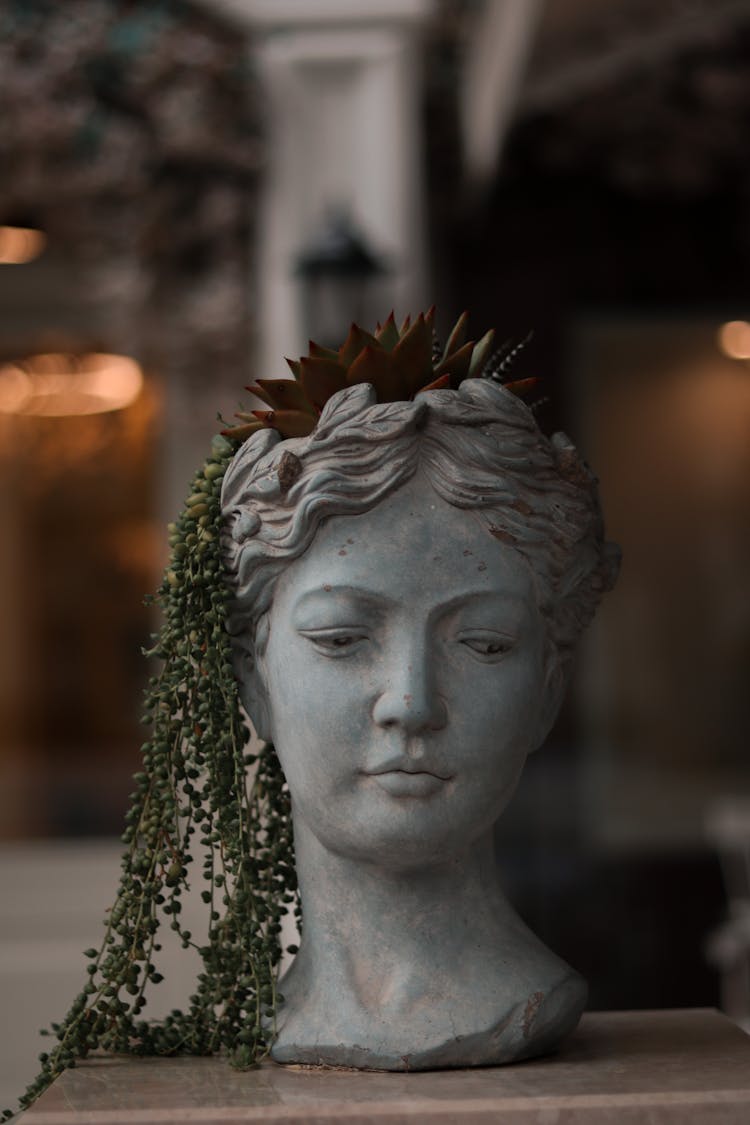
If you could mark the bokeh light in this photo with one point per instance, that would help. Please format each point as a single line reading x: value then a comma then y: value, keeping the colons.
x: 58, y: 385
x: 20, y: 244
x: 734, y: 339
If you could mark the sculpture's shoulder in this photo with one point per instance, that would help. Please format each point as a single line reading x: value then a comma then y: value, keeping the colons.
x: 539, y: 1022
x: 535, y: 1024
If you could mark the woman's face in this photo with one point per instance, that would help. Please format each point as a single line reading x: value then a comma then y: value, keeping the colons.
x: 406, y: 679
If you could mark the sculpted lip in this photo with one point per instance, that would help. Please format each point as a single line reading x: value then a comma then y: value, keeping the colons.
x: 401, y: 777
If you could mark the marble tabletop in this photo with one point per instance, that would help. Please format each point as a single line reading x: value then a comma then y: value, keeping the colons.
x: 619, y: 1067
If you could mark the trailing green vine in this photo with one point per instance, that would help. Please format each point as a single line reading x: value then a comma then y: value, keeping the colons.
x: 201, y: 797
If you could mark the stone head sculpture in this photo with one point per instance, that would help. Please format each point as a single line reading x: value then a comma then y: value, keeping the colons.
x: 409, y: 581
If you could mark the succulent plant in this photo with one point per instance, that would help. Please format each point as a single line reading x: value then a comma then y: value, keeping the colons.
x: 398, y: 362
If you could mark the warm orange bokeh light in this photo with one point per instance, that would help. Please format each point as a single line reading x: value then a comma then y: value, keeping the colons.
x: 20, y: 244
x: 62, y: 385
x: 734, y: 339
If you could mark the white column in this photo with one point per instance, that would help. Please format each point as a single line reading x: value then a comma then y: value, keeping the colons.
x: 342, y: 79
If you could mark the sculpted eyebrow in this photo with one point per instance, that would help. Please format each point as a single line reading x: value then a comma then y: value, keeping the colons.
x: 479, y: 596
x: 326, y: 597
x: 480, y: 604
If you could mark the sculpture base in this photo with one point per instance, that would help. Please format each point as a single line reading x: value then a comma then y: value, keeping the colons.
x: 618, y: 1068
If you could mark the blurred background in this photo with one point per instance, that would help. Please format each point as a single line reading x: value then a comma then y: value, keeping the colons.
x: 188, y: 190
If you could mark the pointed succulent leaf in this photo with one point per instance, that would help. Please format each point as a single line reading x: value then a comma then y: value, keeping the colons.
x: 521, y: 387
x: 412, y: 357
x: 284, y: 394
x: 259, y: 393
x: 240, y: 433
x: 441, y: 383
x: 457, y: 364
x: 354, y: 343
x: 317, y: 351
x: 264, y: 396
x: 404, y: 325
x: 481, y: 354
x: 376, y: 366
x: 293, y: 365
x: 321, y: 378
x: 289, y: 423
x: 388, y: 335
x: 457, y: 336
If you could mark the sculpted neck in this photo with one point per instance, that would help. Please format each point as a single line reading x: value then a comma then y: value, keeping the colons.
x: 416, y: 969
x: 392, y: 911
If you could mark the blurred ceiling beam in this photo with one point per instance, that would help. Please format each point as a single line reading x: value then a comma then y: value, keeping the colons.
x: 301, y: 13
x: 638, y: 45
x: 494, y: 67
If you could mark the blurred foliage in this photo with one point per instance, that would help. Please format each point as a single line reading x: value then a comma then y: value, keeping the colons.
x: 130, y: 127
x: 103, y: 100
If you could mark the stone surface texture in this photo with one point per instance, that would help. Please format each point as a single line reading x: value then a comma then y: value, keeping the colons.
x: 617, y: 1068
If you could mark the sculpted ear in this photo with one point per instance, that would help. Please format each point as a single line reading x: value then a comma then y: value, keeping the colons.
x: 555, y: 685
x: 251, y: 686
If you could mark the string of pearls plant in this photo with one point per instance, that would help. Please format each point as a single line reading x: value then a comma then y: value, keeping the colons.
x: 199, y: 791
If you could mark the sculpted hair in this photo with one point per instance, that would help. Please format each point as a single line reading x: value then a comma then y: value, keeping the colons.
x: 480, y: 448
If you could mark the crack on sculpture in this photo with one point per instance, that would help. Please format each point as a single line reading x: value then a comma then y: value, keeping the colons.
x: 531, y: 1011
x: 503, y: 535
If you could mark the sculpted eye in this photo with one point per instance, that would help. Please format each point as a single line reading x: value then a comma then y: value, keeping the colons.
x: 334, y: 642
x: 488, y: 646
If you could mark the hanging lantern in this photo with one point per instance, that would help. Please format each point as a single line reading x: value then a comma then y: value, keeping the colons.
x: 340, y: 277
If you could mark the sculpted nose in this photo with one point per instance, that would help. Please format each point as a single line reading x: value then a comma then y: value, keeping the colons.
x: 411, y: 699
